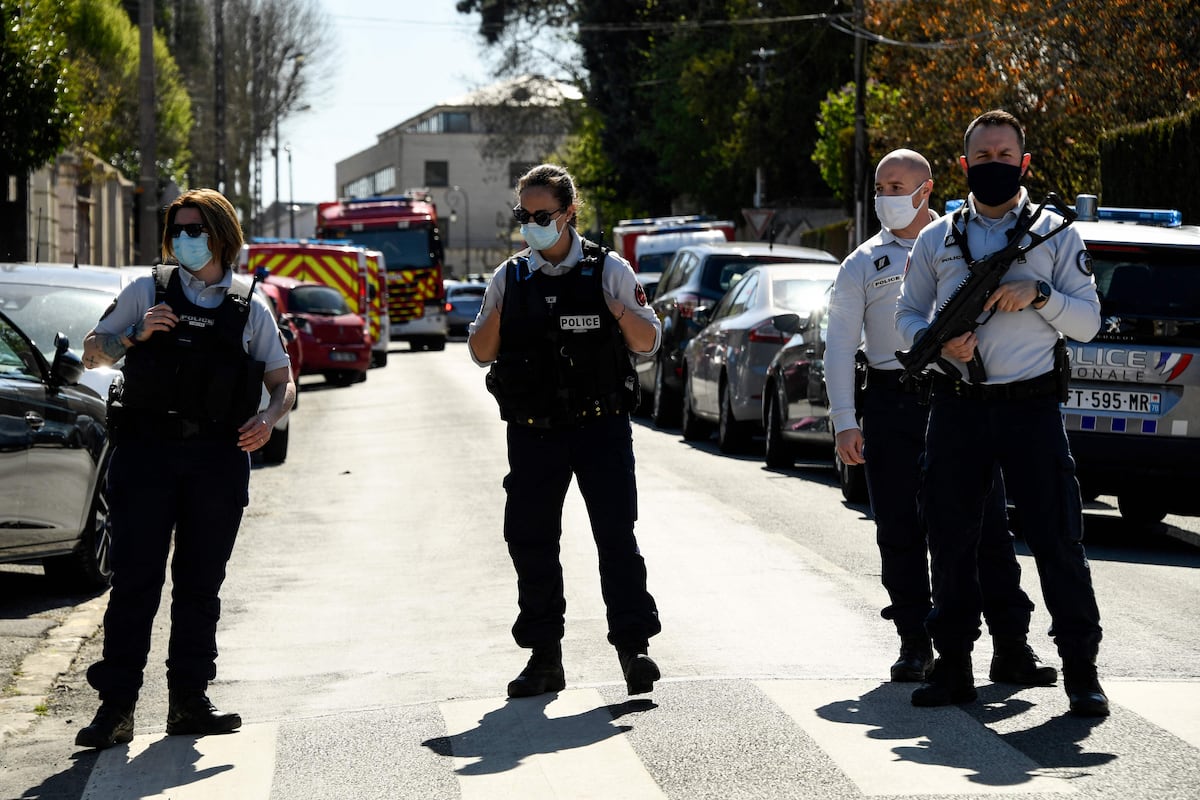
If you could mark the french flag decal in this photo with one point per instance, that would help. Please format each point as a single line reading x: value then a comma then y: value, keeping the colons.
x: 1173, y: 364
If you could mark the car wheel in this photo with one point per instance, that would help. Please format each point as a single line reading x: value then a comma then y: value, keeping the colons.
x: 275, y: 450
x: 1141, y: 508
x: 665, y: 411
x: 853, y: 480
x: 731, y: 434
x: 436, y: 343
x: 87, y: 567
x: 780, y: 454
x: 379, y: 358
x: 694, y: 428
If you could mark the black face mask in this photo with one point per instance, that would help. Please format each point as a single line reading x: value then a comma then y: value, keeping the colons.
x: 994, y: 183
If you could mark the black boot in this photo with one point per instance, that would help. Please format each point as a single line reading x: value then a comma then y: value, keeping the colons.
x: 1013, y: 661
x: 639, y: 670
x: 113, y: 724
x: 951, y: 681
x: 916, y: 659
x: 544, y: 673
x: 193, y: 713
x: 1083, y: 688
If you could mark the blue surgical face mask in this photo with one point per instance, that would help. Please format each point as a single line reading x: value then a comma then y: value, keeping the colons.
x: 193, y: 253
x: 542, y: 237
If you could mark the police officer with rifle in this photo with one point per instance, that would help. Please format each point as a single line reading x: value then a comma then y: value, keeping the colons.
x: 557, y: 326
x: 995, y: 396
x: 887, y: 435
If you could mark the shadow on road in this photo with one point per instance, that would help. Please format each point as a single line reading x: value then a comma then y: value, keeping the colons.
x: 520, y: 728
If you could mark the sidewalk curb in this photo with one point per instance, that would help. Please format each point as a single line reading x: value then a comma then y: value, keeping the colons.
x: 19, y: 709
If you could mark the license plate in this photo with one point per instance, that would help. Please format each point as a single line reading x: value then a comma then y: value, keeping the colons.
x: 342, y: 357
x: 1114, y: 400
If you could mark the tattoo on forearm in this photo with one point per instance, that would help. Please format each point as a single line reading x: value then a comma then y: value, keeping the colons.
x: 111, y: 346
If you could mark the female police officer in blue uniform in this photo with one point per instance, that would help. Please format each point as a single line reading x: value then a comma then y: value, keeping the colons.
x: 557, y: 325
x: 198, y: 349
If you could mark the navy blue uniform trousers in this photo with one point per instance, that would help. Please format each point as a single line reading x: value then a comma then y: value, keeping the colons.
x: 894, y: 423
x: 599, y: 453
x: 198, y: 488
x: 967, y: 437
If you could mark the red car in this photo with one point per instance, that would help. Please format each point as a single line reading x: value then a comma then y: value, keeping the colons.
x: 333, y: 339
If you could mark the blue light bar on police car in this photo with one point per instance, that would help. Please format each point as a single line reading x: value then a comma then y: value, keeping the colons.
x: 1163, y: 217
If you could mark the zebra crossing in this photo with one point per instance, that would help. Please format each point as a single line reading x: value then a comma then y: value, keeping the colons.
x: 719, y: 738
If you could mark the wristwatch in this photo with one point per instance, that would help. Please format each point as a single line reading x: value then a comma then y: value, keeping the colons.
x: 130, y: 333
x: 1043, y: 294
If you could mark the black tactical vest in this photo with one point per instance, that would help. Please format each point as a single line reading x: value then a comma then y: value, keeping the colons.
x: 196, y: 380
x: 562, y: 359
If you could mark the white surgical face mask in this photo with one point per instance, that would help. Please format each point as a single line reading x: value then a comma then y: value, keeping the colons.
x: 193, y: 254
x: 897, y: 212
x: 541, y: 237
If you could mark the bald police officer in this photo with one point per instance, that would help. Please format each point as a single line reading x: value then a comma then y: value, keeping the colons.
x: 1012, y: 418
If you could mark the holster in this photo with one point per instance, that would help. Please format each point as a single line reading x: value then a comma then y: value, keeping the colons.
x: 1062, y: 368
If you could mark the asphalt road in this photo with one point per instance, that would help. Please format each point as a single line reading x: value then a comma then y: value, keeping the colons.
x: 365, y: 640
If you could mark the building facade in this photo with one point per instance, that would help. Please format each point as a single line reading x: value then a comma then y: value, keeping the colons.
x: 468, y: 153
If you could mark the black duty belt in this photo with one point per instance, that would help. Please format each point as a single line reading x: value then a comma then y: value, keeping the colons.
x: 128, y: 426
x: 1045, y: 385
x: 889, y: 380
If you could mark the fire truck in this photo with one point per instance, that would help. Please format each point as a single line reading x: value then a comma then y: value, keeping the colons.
x: 404, y: 228
x: 357, y: 272
x: 692, y: 229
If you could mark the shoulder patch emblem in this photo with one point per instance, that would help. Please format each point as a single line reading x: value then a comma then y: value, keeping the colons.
x: 883, y: 262
x: 640, y: 294
x: 111, y: 308
x: 1084, y: 262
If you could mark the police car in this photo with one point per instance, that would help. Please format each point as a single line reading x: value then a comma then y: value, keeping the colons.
x: 1133, y: 410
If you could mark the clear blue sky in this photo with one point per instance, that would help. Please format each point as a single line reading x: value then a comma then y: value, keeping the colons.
x: 391, y: 60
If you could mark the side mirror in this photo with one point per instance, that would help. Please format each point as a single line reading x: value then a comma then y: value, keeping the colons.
x: 788, y: 323
x: 66, y: 368
x: 700, y: 315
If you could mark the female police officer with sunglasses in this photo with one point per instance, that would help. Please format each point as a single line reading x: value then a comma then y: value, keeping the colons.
x: 198, y: 348
x: 557, y: 325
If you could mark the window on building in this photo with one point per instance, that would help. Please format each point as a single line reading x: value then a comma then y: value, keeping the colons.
x: 437, y: 173
x: 444, y: 122
x: 376, y: 183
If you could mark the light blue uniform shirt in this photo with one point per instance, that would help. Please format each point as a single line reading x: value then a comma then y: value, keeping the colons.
x: 862, y: 311
x: 260, y: 337
x: 1014, y: 345
x: 619, y: 281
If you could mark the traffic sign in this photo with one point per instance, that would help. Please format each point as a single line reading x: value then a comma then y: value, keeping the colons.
x: 759, y: 219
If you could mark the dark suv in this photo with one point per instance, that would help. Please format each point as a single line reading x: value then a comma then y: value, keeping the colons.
x: 697, y: 277
x: 53, y: 458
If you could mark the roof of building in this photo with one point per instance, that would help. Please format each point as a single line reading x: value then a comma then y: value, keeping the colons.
x: 523, y: 90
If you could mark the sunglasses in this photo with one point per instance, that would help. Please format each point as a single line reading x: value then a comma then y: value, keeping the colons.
x: 542, y: 217
x: 192, y: 229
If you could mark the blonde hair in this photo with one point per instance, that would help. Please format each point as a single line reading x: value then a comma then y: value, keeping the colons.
x: 224, y: 231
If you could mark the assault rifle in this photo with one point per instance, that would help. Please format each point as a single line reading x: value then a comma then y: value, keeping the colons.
x: 960, y: 313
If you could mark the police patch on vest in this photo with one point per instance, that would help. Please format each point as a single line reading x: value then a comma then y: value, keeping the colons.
x: 197, y: 322
x: 1084, y: 262
x: 883, y: 262
x: 579, y: 322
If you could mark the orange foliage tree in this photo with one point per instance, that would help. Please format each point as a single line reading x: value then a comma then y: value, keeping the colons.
x: 1067, y: 70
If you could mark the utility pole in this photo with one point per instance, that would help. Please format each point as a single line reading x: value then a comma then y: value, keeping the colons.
x: 860, y: 126
x: 760, y: 187
x: 219, y: 93
x: 148, y: 239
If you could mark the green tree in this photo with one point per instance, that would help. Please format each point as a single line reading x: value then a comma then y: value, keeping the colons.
x: 105, y: 53
x: 1068, y: 71
x: 37, y: 107
x: 833, y: 153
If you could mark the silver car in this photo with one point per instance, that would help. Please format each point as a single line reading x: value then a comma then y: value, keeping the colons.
x: 725, y: 365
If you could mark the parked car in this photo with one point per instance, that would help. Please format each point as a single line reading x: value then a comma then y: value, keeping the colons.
x: 53, y: 462
x: 725, y: 364
x: 48, y: 299
x: 463, y: 301
x: 699, y: 275
x: 795, y: 403
x: 333, y: 340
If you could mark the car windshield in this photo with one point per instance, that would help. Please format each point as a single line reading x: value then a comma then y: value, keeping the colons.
x: 720, y: 272
x: 1148, y: 295
x: 317, y: 300
x: 44, y: 311
x: 801, y: 295
x: 466, y: 293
